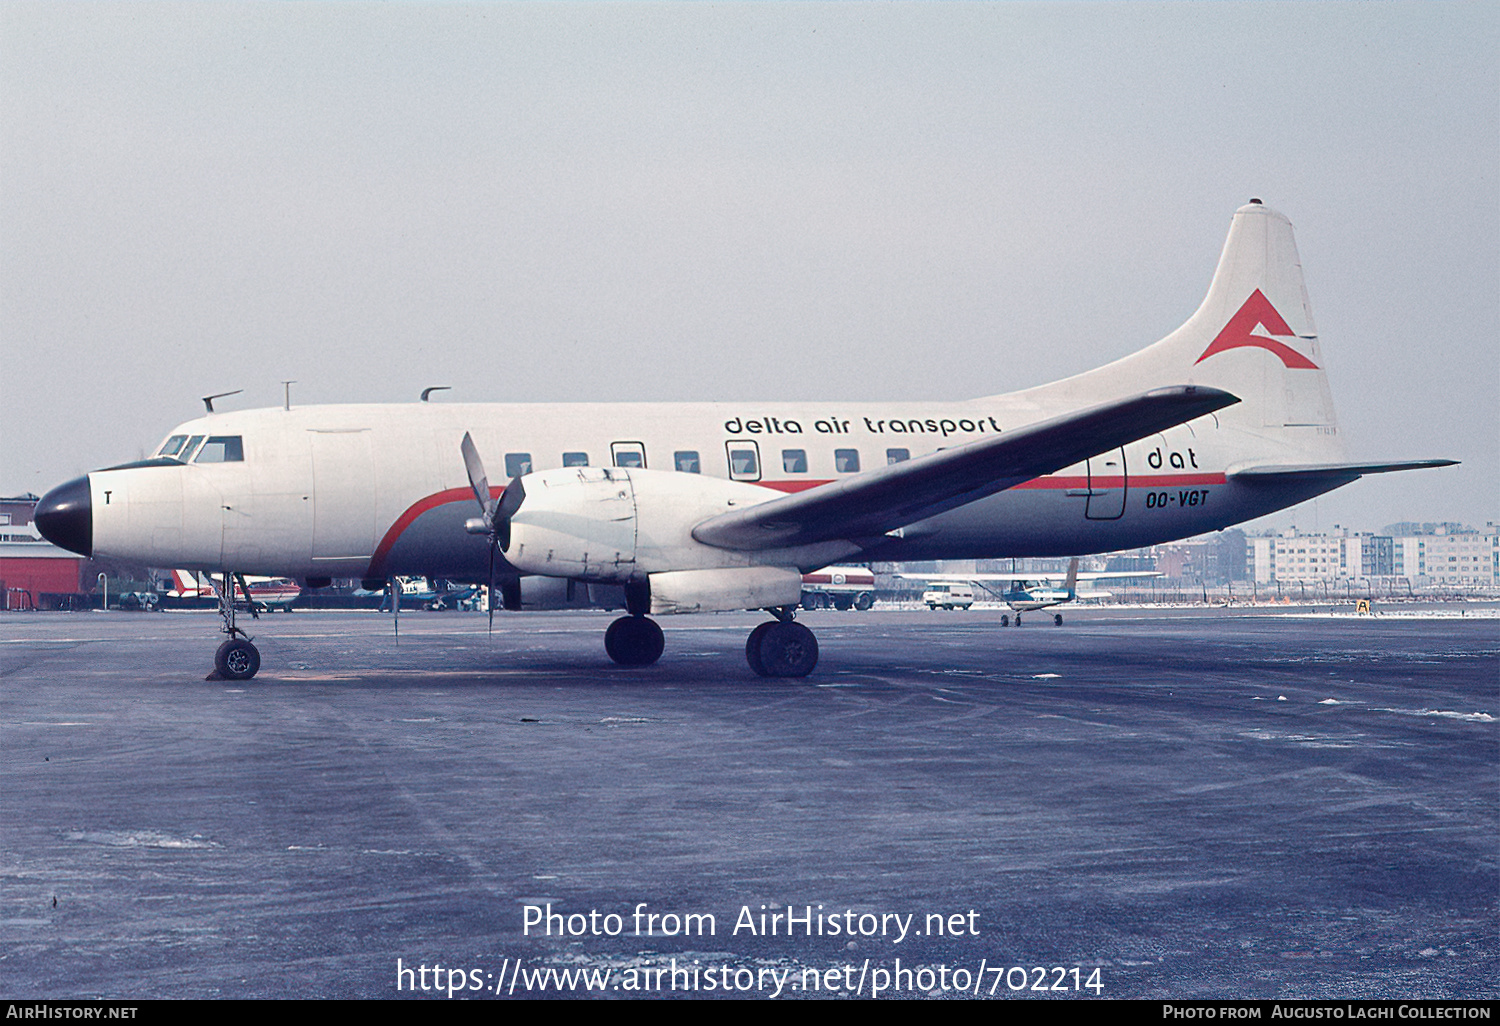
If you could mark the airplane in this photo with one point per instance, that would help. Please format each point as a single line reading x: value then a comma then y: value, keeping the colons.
x: 1027, y: 592
x: 420, y: 593
x: 665, y: 508
x: 266, y: 593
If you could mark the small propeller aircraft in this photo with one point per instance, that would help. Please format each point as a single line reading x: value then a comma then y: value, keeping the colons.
x: 1027, y: 592
x: 266, y: 593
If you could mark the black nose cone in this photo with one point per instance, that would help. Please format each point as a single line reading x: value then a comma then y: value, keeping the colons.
x: 65, y: 516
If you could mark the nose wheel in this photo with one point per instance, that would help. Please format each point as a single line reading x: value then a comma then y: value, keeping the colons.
x: 237, y: 659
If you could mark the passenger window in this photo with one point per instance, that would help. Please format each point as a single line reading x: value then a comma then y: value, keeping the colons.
x: 686, y: 461
x: 846, y: 461
x: 190, y: 448
x: 172, y: 446
x: 222, y: 449
x: 897, y: 456
x: 794, y: 461
x: 575, y: 459
x: 517, y: 464
x: 744, y: 460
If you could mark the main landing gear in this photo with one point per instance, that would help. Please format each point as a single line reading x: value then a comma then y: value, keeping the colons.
x: 237, y: 658
x: 1057, y: 620
x: 634, y: 640
x: 781, y: 647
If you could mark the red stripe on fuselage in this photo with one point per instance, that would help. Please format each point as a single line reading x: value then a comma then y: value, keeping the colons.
x: 1133, y: 481
x: 415, y: 510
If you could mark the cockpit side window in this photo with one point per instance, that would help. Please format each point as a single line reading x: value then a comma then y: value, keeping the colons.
x: 190, y: 447
x: 222, y: 449
x: 172, y: 446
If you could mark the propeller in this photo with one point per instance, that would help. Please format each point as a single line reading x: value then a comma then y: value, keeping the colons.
x: 495, y: 514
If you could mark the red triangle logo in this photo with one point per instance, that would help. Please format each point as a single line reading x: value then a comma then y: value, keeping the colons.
x: 1257, y: 313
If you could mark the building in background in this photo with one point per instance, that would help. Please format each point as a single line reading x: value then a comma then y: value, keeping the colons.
x: 1441, y: 555
x: 34, y: 573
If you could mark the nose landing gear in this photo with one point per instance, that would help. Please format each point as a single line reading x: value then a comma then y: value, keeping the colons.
x: 237, y: 658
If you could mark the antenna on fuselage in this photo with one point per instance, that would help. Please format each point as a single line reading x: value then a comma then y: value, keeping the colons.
x: 435, y: 388
x: 288, y: 386
x: 208, y: 400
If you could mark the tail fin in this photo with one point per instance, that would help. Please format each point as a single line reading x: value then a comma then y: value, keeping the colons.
x: 1070, y: 585
x: 1252, y: 336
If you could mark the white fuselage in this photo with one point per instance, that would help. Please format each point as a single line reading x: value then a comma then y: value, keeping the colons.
x: 374, y: 491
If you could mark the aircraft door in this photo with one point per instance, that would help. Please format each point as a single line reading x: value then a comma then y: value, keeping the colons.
x: 744, y: 460
x: 628, y: 454
x: 1107, y: 485
x: 343, y: 495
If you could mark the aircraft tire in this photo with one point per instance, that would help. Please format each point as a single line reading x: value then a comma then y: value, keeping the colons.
x: 1057, y: 619
x: 752, y: 648
x: 783, y: 650
x: 1005, y: 620
x: 634, y: 641
x: 237, y: 659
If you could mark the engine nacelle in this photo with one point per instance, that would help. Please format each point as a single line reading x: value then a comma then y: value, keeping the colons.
x: 615, y: 524
x: 706, y: 591
x: 560, y: 593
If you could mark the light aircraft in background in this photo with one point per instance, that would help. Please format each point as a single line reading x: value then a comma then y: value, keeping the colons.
x: 1030, y: 591
x: 661, y: 508
x: 266, y: 594
x: 420, y: 593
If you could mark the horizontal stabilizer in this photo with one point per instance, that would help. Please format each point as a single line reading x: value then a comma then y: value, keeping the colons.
x: 870, y: 504
x: 1344, y: 471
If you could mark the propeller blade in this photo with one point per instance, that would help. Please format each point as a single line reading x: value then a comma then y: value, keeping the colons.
x: 510, y: 501
x: 478, y: 480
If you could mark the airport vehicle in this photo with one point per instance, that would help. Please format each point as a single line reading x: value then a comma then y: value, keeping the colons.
x: 1024, y: 592
x: 683, y: 507
x: 948, y: 594
x: 839, y: 587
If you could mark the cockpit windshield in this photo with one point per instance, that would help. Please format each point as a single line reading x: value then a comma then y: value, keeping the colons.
x: 218, y: 449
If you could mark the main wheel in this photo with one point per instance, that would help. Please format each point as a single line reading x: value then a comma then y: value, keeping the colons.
x: 1005, y: 620
x: 1057, y: 619
x: 634, y: 641
x: 752, y: 648
x: 782, y: 650
x: 237, y: 659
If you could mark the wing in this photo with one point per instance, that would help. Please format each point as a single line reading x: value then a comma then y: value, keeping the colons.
x: 870, y: 504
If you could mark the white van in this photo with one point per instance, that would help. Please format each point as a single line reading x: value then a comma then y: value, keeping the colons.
x: 948, y: 596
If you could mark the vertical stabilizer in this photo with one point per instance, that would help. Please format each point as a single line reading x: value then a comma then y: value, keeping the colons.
x: 1253, y: 335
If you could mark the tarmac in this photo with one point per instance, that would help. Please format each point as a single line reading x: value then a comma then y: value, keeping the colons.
x: 1140, y: 804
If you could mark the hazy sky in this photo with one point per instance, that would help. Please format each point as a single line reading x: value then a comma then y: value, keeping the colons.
x: 705, y: 201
